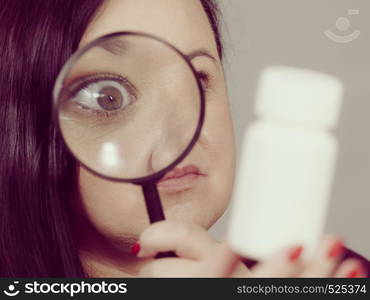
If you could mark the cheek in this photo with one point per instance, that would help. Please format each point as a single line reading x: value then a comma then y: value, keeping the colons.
x: 218, y: 136
x: 115, y: 209
x: 218, y: 132
x: 221, y: 132
x: 218, y: 141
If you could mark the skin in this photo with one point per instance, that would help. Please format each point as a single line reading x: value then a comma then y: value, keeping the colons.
x: 117, y: 211
x: 112, y: 216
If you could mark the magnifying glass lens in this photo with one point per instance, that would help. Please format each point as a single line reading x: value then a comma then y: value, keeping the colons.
x: 128, y: 106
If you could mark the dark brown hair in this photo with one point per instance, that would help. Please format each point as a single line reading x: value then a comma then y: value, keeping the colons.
x: 212, y: 10
x: 38, y: 177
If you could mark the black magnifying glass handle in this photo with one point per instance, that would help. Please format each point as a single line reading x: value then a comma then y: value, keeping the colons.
x: 155, y: 210
x: 166, y: 254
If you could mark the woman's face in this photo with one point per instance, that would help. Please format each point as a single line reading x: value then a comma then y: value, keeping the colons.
x: 117, y: 210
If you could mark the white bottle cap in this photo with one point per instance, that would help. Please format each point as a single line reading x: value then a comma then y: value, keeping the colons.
x: 304, y: 96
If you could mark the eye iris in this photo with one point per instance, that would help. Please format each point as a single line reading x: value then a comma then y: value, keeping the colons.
x: 110, y: 98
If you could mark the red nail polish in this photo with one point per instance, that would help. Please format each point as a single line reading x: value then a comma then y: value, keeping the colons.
x: 358, y: 272
x: 135, y: 249
x: 353, y: 273
x: 295, y: 253
x: 336, y: 250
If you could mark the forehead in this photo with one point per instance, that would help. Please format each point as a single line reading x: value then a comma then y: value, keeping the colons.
x: 181, y: 22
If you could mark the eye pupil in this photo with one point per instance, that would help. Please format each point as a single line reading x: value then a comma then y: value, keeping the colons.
x: 110, y: 98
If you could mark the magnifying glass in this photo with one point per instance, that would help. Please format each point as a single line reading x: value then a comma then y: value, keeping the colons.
x: 130, y: 107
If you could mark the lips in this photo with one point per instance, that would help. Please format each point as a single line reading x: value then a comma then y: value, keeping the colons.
x: 180, y: 172
x: 180, y: 178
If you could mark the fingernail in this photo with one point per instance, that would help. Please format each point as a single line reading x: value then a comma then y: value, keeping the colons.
x: 358, y: 272
x: 135, y: 249
x: 295, y: 253
x: 353, y: 273
x: 336, y: 249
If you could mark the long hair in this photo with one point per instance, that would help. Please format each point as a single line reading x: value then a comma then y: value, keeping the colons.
x: 38, y: 177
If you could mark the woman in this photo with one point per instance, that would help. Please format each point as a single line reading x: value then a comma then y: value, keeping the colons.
x: 57, y: 219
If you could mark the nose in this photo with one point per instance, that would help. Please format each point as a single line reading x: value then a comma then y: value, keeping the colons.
x: 167, y: 118
x: 156, y: 137
x: 175, y: 123
x: 169, y: 142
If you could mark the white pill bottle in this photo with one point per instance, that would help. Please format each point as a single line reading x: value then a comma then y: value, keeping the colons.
x: 288, y: 157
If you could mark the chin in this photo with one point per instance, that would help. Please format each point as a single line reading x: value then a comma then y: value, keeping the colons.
x: 202, y: 213
x: 204, y: 204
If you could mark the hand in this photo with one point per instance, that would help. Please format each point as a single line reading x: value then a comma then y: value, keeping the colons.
x: 327, y: 263
x: 198, y: 254
x: 201, y: 256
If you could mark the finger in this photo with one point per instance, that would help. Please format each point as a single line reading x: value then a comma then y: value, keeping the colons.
x: 169, y: 267
x: 326, y: 258
x: 351, y: 268
x: 187, y: 240
x: 222, y: 262
x: 286, y: 263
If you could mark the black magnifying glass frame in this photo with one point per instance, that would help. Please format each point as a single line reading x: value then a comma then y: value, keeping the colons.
x: 148, y: 183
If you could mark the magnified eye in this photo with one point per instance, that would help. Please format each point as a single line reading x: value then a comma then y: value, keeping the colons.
x: 103, y: 95
x: 110, y: 98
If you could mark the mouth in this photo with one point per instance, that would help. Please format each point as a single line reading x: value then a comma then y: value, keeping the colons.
x: 180, y: 179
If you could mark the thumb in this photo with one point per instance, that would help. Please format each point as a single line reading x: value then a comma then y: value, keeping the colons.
x: 222, y: 262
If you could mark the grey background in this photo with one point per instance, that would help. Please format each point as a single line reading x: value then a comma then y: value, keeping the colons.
x: 291, y: 32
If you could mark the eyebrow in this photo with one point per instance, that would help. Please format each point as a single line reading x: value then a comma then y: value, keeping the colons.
x: 117, y: 48
x: 200, y: 52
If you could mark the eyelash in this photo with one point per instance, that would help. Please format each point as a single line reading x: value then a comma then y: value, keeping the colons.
x: 204, y: 77
x: 83, y: 82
